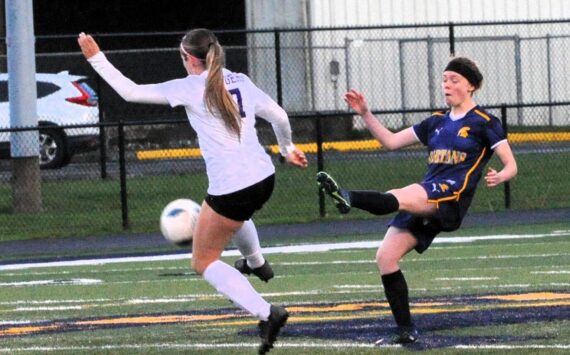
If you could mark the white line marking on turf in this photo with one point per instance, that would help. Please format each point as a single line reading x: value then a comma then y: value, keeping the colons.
x: 283, y: 345
x: 512, y: 347
x: 273, y: 250
x: 328, y: 345
x: 75, y: 282
x: 466, y: 278
x: 551, y: 272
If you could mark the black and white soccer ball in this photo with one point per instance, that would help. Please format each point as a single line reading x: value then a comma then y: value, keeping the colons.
x: 178, y: 221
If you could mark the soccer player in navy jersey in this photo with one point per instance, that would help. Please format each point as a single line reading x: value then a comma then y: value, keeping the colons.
x: 221, y: 107
x: 459, y: 142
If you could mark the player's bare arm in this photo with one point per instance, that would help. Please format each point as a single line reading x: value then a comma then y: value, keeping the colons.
x: 387, y: 138
x: 509, y: 171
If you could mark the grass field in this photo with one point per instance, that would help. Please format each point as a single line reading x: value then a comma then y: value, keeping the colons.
x: 490, y: 294
x: 92, y: 207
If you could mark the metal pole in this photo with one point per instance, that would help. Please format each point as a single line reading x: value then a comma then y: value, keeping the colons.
x: 123, y: 176
x: 102, y: 131
x: 451, y: 40
x: 549, y: 79
x: 507, y: 185
x: 278, y: 67
x: 320, y: 160
x: 24, y: 145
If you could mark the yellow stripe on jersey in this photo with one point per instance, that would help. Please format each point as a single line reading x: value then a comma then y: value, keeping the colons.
x: 467, y: 176
x: 484, y: 115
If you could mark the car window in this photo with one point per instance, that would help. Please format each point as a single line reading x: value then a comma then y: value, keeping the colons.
x: 44, y: 89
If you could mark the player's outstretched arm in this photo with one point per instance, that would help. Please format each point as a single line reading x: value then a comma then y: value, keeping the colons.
x: 389, y: 139
x: 125, y: 87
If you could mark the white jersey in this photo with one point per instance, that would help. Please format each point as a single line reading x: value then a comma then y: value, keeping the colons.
x: 232, y: 163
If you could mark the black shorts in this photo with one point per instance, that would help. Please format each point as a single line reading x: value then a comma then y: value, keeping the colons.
x: 241, y: 205
x: 449, y: 216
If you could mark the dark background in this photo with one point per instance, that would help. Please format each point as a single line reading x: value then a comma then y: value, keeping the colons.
x: 124, y: 26
x: 56, y: 17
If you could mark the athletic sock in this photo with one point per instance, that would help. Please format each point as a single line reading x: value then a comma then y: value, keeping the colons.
x: 378, y: 203
x: 247, y: 242
x: 233, y: 285
x: 396, y: 290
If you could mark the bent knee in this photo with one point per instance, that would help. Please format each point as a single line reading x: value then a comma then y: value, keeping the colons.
x: 387, y: 262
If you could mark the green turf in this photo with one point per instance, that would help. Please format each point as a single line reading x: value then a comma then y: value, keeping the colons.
x: 446, y: 273
x: 93, y: 207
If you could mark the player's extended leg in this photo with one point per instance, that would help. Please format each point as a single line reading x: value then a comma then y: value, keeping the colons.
x: 397, y: 243
x: 213, y: 232
x: 412, y: 198
x: 247, y: 242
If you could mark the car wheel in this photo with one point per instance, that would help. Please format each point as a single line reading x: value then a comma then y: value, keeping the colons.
x: 53, y: 151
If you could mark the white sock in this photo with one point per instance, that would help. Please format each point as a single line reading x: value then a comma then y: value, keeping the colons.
x: 247, y: 242
x: 232, y: 284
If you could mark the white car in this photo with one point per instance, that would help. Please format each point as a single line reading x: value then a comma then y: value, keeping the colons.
x: 63, y: 100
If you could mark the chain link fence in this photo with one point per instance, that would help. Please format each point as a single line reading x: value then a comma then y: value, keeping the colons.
x: 148, y: 155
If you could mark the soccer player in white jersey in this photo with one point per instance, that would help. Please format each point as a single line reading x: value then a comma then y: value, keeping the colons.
x: 221, y: 107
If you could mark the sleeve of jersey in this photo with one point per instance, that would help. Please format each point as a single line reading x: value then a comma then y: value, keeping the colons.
x: 269, y: 110
x: 421, y: 130
x: 124, y: 86
x: 495, y: 133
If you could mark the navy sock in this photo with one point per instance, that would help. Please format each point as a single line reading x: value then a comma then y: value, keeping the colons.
x: 396, y: 290
x: 378, y: 203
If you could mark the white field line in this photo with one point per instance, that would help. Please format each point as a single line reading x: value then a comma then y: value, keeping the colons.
x: 273, y: 250
x: 512, y: 347
x: 186, y: 269
x: 346, y: 289
x: 74, y: 282
x: 551, y: 272
x: 466, y: 278
x: 282, y: 345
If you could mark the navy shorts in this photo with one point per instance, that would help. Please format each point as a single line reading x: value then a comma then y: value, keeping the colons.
x: 241, y: 205
x: 449, y: 216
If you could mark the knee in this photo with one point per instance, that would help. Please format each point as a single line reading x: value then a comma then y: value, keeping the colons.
x: 386, y: 262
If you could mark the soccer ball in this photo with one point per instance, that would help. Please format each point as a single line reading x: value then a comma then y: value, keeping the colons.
x: 178, y: 220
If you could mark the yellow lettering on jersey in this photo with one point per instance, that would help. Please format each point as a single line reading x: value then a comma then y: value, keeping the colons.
x: 446, y: 156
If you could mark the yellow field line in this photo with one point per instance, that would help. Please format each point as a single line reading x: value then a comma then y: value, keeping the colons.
x: 343, y: 146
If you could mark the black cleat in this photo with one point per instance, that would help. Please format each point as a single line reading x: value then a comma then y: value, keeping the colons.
x: 402, y: 335
x: 269, y: 329
x: 330, y: 187
x: 264, y: 272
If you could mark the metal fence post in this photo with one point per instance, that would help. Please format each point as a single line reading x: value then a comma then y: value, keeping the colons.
x: 451, y: 39
x: 279, y: 84
x: 320, y: 159
x: 123, y: 176
x: 102, y: 118
x: 507, y: 185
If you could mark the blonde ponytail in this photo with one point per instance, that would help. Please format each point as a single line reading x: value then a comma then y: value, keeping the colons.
x: 217, y: 98
x: 203, y: 44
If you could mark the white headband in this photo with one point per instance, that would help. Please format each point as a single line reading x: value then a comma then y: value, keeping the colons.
x: 183, y: 50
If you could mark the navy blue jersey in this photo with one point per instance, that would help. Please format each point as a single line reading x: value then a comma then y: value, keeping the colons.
x: 458, y: 152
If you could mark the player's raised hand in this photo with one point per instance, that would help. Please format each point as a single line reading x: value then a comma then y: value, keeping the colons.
x: 88, y: 45
x: 357, y: 101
